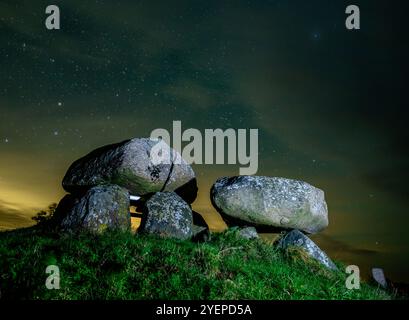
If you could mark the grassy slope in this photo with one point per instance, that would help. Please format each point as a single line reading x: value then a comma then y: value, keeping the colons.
x: 123, y: 266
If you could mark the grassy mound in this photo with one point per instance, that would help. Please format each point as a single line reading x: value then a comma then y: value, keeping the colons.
x: 126, y: 266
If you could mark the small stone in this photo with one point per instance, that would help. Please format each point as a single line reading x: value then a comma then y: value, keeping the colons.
x: 296, y: 238
x: 248, y: 233
x: 200, y: 234
x: 379, y: 277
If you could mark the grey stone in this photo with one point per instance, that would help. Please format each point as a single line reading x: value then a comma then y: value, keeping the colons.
x: 379, y: 276
x: 296, y: 238
x: 100, y: 209
x: 129, y: 164
x: 277, y: 203
x: 200, y: 234
x: 167, y: 215
x: 248, y: 233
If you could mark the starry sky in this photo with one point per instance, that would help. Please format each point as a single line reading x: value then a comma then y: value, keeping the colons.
x: 330, y: 104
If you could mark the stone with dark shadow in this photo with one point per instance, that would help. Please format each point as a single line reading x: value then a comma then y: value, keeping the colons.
x: 297, y: 239
x: 142, y: 166
x: 101, y: 208
x: 167, y: 215
x: 201, y: 232
x: 65, y: 206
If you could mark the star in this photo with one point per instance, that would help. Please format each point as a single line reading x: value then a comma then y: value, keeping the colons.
x: 316, y: 35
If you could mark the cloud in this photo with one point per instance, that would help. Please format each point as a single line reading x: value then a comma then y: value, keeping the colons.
x: 11, y: 218
x: 335, y: 246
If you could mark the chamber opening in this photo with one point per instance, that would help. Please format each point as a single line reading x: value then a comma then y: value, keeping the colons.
x: 136, y: 217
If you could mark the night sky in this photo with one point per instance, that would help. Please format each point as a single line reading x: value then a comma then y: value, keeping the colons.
x: 330, y: 104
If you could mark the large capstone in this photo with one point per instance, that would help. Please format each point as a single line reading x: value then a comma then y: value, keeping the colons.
x: 299, y: 240
x: 167, y: 215
x: 143, y: 166
x: 276, y: 203
x: 101, y: 208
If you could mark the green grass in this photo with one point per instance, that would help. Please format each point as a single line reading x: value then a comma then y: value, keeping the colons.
x: 126, y: 266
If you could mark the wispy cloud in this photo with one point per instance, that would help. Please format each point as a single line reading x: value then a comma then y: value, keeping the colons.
x: 11, y: 218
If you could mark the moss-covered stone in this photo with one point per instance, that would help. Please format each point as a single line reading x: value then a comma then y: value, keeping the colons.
x: 266, y: 202
x: 101, y: 208
x: 129, y: 165
x: 167, y: 215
